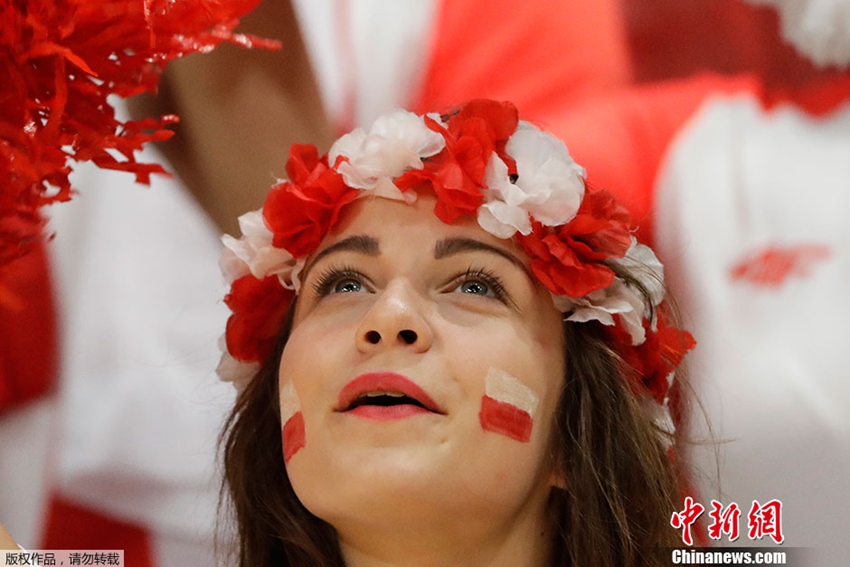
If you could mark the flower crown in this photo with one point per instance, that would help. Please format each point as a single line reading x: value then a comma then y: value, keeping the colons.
x: 518, y: 181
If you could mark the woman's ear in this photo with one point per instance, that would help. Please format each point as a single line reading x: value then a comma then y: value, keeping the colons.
x: 557, y: 477
x: 558, y: 480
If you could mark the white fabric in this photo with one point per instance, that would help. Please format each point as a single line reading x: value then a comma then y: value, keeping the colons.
x: 368, y: 55
x: 140, y: 408
x: 25, y: 443
x: 772, y: 360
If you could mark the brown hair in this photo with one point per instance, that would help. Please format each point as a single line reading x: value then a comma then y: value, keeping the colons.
x: 620, y: 482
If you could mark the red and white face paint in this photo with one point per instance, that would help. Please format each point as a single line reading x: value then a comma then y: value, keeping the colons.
x: 293, y: 421
x: 507, y: 406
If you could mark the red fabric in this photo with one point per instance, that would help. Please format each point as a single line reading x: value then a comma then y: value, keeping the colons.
x: 818, y: 97
x: 539, y: 55
x: 72, y: 526
x: 671, y: 38
x: 622, y: 137
x: 28, y: 334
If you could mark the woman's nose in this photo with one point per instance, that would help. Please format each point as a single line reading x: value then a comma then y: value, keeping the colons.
x: 395, y: 320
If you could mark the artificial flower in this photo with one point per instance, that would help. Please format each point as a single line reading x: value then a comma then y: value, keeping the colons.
x: 568, y: 259
x: 254, y: 253
x: 235, y: 371
x: 654, y: 360
x: 641, y: 262
x: 601, y: 305
x: 299, y: 212
x: 395, y: 143
x: 257, y: 308
x: 548, y: 185
x: 621, y: 299
x: 472, y: 135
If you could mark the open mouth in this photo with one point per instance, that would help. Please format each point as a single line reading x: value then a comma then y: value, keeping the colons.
x: 384, y: 399
x: 385, y: 395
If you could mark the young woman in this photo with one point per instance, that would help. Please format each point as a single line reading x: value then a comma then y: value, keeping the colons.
x: 450, y: 351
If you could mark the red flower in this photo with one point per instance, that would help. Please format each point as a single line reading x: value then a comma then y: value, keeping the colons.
x: 457, y: 173
x: 654, y: 359
x: 301, y: 211
x: 568, y: 259
x: 498, y: 120
x: 257, y: 309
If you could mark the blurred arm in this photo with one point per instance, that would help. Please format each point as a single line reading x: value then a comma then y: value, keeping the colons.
x: 240, y: 110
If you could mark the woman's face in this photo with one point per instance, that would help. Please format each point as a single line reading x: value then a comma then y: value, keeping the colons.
x: 421, y: 378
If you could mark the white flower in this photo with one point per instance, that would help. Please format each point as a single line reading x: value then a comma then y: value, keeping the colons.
x: 642, y: 263
x: 396, y: 142
x: 616, y: 299
x: 254, y: 253
x: 660, y: 415
x: 235, y: 371
x: 549, y: 187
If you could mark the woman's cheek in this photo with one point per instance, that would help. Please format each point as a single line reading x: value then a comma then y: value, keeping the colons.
x: 293, y: 421
x: 507, y: 406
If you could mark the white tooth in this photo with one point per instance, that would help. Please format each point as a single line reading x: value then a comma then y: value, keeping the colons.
x: 391, y: 394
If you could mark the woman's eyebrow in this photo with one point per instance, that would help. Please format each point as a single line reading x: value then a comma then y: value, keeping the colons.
x: 451, y: 246
x: 367, y: 245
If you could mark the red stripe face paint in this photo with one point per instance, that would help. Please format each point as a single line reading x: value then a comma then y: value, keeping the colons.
x: 507, y: 406
x: 293, y: 422
x: 293, y: 436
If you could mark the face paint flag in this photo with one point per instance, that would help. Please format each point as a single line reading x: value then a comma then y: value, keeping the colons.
x: 507, y: 406
x: 293, y: 421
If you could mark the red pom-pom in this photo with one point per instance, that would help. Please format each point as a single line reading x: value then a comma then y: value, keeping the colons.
x: 59, y: 61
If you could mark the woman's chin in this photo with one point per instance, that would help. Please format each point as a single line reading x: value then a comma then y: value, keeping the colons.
x: 386, y: 504
x: 367, y: 477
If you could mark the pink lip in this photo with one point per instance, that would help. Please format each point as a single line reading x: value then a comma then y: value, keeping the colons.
x: 385, y: 382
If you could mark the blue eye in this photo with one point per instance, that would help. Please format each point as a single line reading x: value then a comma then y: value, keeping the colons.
x: 340, y: 280
x: 478, y: 281
x: 474, y: 287
x: 347, y: 285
